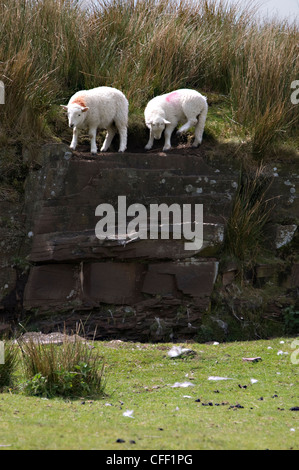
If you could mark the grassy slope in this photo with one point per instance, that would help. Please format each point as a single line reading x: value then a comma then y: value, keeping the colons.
x: 145, y: 48
x: 139, y: 378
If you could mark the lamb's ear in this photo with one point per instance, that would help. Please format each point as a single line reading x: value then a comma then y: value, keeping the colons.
x: 85, y: 109
x: 166, y: 122
x: 64, y: 107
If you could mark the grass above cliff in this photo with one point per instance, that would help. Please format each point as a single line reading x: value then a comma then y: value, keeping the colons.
x: 145, y: 48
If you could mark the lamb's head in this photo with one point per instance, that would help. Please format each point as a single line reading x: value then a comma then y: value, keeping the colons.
x: 157, y: 126
x: 76, y: 114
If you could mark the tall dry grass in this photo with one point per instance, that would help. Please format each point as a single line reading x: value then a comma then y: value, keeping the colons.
x: 246, y: 236
x: 73, y: 368
x: 261, y: 83
x: 51, y: 48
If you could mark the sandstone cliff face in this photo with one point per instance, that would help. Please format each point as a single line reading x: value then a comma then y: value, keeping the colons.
x: 131, y: 288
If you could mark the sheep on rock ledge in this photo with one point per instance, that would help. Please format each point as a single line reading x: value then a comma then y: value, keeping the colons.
x: 102, y: 107
x: 165, y: 112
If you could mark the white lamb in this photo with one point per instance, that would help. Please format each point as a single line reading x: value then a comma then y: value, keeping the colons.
x: 102, y: 107
x: 165, y: 112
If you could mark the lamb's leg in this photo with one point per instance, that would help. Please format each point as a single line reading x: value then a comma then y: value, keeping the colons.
x: 192, y: 121
x: 150, y: 141
x: 111, y: 131
x: 74, y: 139
x: 123, y: 138
x: 167, y: 135
x: 93, y: 143
x: 199, y: 128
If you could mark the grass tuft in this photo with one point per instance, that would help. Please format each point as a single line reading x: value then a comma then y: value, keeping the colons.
x: 72, y: 369
x: 245, y: 233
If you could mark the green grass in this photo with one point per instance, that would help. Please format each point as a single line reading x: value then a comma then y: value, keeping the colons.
x: 139, y: 378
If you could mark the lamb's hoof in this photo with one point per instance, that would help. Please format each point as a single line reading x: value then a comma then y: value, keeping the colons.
x: 94, y: 153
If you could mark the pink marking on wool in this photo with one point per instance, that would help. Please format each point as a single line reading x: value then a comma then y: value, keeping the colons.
x: 172, y: 96
x: 80, y: 101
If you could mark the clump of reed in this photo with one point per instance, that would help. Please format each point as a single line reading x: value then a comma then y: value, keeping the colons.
x: 246, y: 236
x: 72, y: 369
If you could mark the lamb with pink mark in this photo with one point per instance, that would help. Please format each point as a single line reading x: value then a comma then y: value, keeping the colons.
x: 101, y: 107
x: 165, y: 112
